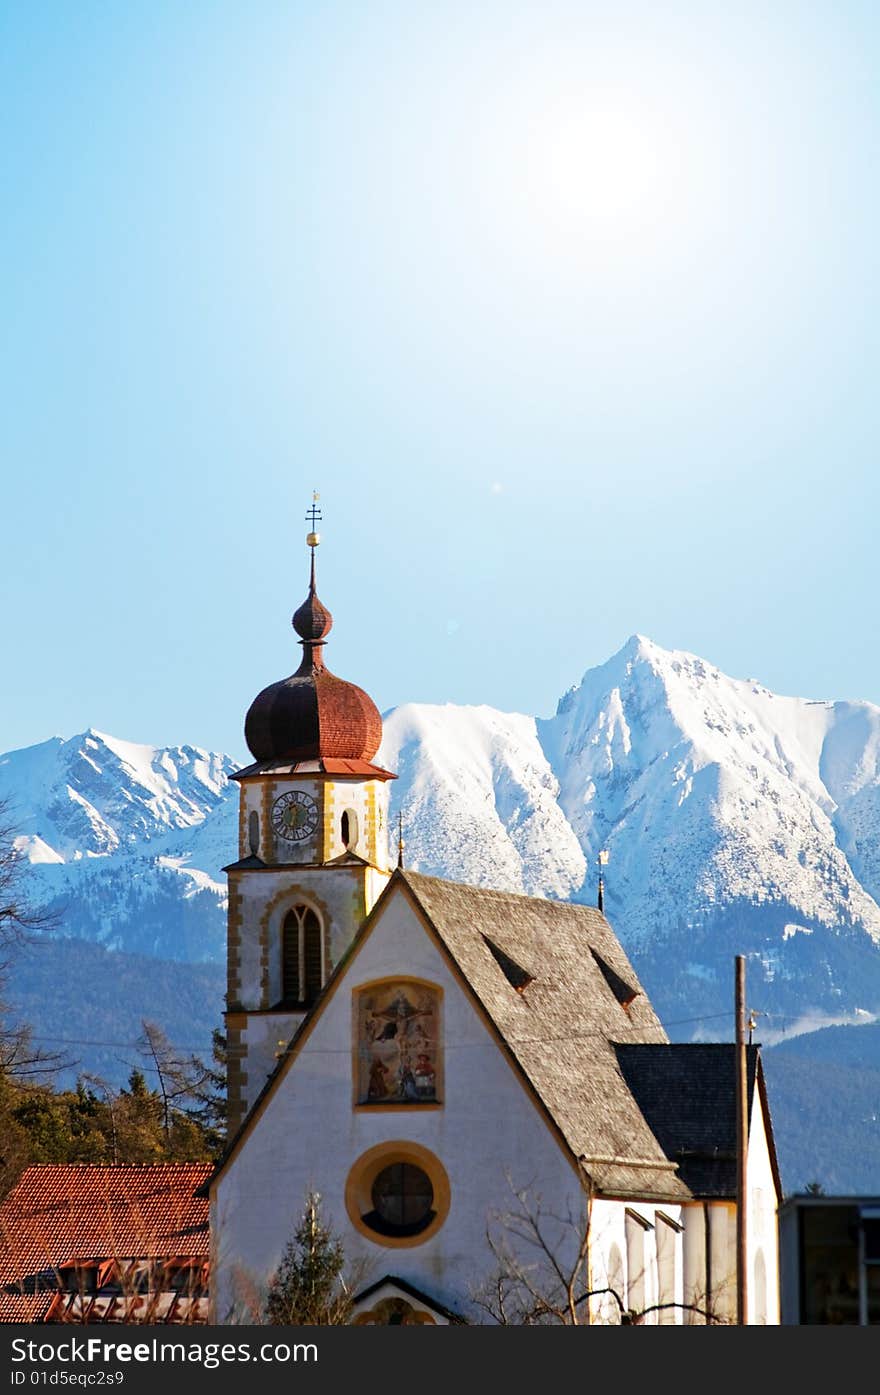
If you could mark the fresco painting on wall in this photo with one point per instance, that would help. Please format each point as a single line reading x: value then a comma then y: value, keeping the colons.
x: 397, y: 1044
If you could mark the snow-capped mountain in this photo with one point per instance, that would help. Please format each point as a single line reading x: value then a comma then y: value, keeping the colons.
x: 737, y: 821
x: 480, y: 800
x: 706, y: 790
x: 126, y: 841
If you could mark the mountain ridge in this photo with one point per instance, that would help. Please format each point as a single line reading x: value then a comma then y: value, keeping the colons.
x: 733, y: 817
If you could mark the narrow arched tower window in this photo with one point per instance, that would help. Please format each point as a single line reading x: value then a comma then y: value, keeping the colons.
x: 302, y: 968
x: 254, y: 833
x: 349, y: 830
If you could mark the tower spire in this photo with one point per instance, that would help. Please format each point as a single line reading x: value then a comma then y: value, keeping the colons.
x: 312, y: 621
x: 313, y: 538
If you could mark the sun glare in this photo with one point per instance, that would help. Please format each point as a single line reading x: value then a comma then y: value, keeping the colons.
x: 604, y: 168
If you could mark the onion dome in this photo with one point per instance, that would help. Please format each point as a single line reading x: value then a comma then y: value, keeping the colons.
x: 313, y: 715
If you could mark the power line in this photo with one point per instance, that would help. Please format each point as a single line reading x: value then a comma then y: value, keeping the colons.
x: 449, y: 1046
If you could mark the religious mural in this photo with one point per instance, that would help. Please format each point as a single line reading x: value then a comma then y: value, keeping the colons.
x: 397, y: 1036
x: 394, y: 1312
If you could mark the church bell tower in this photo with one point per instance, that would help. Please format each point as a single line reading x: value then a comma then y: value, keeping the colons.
x: 313, y: 849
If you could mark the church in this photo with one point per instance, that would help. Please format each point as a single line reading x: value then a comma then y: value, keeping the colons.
x: 475, y: 1082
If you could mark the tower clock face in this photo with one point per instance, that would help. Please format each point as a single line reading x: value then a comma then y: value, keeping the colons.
x: 294, y: 816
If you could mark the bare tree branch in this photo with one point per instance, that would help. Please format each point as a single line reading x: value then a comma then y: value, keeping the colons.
x: 542, y: 1269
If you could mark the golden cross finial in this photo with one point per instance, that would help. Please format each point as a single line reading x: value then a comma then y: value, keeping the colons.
x: 313, y: 515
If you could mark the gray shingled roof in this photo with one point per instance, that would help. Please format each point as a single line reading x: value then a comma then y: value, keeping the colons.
x: 561, y: 1027
x: 687, y: 1093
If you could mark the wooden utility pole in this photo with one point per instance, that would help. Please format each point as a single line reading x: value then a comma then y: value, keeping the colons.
x: 742, y: 1129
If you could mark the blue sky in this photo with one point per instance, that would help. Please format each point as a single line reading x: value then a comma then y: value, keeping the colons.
x: 569, y: 310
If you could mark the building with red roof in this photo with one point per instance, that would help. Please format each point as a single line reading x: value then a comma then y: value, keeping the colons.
x: 82, y: 1243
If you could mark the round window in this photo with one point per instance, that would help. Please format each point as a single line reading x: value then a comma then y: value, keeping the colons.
x: 398, y: 1194
x: 403, y: 1200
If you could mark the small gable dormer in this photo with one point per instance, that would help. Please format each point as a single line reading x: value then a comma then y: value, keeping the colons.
x: 517, y: 977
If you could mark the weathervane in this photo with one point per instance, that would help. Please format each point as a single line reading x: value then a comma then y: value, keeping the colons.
x: 400, y: 842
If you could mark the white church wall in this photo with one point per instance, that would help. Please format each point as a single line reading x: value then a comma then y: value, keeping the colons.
x: 487, y: 1127
x: 263, y: 1037
x: 762, y: 1247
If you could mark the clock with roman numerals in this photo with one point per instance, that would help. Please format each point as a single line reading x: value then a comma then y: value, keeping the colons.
x: 294, y: 816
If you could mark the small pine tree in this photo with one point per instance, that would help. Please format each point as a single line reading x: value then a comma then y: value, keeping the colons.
x: 308, y: 1288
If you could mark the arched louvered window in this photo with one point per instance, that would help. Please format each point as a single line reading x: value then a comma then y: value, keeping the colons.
x: 302, y: 960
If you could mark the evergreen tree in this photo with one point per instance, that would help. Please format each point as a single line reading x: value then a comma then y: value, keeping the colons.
x: 209, y: 1109
x: 308, y: 1288
x: 139, y: 1122
x: 14, y: 1142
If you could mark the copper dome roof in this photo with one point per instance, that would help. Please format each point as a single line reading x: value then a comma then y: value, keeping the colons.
x: 313, y: 714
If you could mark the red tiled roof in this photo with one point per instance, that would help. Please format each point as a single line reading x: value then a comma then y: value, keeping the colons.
x: 57, y: 1212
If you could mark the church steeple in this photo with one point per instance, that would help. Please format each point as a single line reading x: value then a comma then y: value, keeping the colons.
x: 312, y: 714
x: 312, y: 621
x: 313, y: 846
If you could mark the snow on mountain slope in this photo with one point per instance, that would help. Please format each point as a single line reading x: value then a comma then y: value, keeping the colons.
x: 480, y: 800
x: 709, y: 790
x: 94, y: 793
x: 850, y: 770
x: 120, y: 835
x: 737, y: 821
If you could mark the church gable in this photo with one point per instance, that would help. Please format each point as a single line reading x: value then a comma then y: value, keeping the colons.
x: 524, y: 968
x: 400, y: 1104
x: 391, y: 1015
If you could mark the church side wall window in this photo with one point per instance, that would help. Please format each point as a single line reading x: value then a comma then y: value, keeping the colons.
x: 397, y: 1057
x: 302, y: 976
